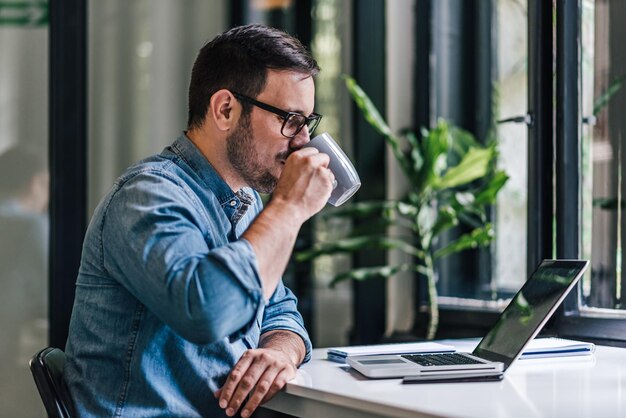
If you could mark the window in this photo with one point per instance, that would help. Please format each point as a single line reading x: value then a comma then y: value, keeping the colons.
x: 24, y: 196
x: 479, y: 77
x: 603, y: 75
x: 510, y: 107
x: 597, y: 311
x: 572, y: 194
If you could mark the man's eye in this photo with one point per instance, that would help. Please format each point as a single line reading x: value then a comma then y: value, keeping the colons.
x: 293, y: 122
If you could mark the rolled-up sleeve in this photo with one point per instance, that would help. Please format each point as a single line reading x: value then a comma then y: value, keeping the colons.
x: 281, y: 313
x: 161, y: 250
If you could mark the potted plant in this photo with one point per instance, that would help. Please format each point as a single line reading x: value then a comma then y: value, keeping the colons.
x: 453, y: 180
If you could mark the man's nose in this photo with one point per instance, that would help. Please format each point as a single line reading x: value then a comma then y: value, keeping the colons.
x: 301, y: 139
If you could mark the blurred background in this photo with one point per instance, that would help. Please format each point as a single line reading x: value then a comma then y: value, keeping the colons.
x: 89, y: 87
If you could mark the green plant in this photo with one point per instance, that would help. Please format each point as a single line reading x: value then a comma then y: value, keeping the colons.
x: 453, y: 180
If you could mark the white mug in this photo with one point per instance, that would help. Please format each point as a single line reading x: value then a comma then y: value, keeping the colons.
x: 346, y: 177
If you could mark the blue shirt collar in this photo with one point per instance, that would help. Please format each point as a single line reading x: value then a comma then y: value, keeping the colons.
x: 234, y: 204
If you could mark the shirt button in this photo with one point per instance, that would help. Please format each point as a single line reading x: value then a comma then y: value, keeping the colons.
x: 233, y: 202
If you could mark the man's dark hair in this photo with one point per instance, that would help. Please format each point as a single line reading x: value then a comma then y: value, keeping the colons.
x: 238, y: 60
x: 18, y: 165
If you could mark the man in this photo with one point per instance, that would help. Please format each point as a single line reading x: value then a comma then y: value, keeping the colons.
x: 180, y: 309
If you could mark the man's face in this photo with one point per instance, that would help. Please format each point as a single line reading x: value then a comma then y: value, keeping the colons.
x: 256, y: 148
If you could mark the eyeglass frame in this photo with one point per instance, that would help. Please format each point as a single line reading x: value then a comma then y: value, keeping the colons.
x: 315, y: 117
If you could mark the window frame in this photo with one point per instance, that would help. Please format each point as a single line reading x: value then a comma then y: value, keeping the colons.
x: 68, y: 158
x: 368, y: 62
x: 554, y: 168
x: 571, y: 320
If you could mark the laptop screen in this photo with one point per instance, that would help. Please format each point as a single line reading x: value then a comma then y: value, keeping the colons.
x: 530, y: 309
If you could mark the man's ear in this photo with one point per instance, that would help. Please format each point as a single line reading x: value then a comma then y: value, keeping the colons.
x: 224, y: 109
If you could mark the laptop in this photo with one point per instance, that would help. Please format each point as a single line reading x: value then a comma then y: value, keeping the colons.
x: 518, y: 324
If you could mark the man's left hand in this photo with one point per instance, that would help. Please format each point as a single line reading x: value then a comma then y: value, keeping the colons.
x: 260, y: 373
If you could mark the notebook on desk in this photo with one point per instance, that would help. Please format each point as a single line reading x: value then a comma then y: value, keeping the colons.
x: 518, y: 324
x: 540, y: 347
x: 339, y: 354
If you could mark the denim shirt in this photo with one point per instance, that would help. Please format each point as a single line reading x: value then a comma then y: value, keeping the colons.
x: 168, y: 295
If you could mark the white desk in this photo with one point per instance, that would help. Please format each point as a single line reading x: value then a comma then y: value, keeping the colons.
x: 591, y: 386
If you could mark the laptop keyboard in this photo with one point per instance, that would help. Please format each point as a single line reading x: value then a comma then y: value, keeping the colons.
x: 442, y: 359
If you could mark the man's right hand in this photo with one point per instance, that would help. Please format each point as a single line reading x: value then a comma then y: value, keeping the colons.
x: 305, y: 183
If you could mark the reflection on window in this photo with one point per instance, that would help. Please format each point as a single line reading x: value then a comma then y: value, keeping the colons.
x: 603, y: 101
x: 509, y: 263
x: 502, y: 267
x: 332, y: 306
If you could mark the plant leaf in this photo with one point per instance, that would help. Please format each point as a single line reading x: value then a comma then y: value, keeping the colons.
x: 489, y: 191
x: 365, y: 273
x: 479, y: 237
x: 411, y: 137
x: 427, y: 217
x: 462, y: 141
x: 374, y: 118
x: 608, y: 94
x: 415, y: 151
x: 474, y: 165
x: 406, y: 209
x: 446, y: 219
x: 474, y: 218
x: 352, y: 244
x: 608, y: 203
x: 345, y: 245
x: 359, y: 209
x: 366, y: 209
x: 370, y: 112
x: 434, y: 149
x: 465, y: 199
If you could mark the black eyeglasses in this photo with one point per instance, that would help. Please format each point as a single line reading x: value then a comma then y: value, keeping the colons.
x: 292, y: 122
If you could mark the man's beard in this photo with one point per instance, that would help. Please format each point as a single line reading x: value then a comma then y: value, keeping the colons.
x: 243, y: 157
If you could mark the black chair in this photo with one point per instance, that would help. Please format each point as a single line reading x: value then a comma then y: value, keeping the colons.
x: 47, y: 369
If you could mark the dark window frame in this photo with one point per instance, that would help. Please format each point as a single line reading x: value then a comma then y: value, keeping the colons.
x: 369, y: 303
x: 570, y: 320
x: 68, y: 158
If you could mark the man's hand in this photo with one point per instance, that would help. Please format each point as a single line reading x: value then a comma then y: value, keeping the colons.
x: 305, y: 183
x: 261, y: 373
x: 303, y: 189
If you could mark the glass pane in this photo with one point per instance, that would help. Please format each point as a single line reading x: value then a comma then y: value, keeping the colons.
x: 603, y: 101
x: 333, y: 306
x: 141, y: 53
x: 480, y: 85
x: 509, y: 261
x: 24, y: 184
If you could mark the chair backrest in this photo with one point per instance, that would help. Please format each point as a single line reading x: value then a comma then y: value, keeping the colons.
x: 47, y: 369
